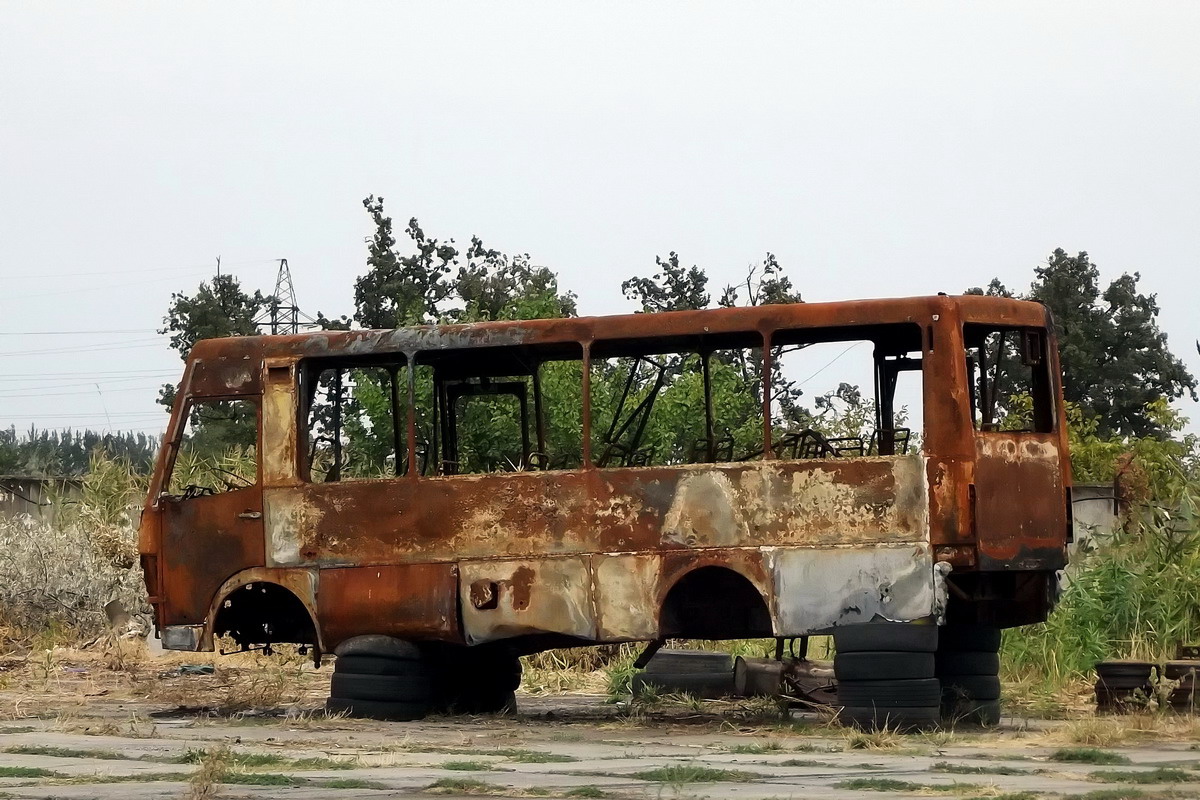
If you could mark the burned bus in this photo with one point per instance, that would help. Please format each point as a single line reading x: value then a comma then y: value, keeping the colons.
x: 430, y: 503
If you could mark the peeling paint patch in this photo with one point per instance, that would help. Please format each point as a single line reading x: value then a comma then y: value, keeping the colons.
x: 817, y: 589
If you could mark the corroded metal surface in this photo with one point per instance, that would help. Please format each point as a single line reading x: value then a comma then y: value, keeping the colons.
x: 1019, y: 515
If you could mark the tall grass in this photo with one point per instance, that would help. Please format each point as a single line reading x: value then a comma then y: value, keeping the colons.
x: 58, y: 577
x: 1136, y: 595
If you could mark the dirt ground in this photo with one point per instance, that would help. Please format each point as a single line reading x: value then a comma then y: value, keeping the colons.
x: 111, y: 724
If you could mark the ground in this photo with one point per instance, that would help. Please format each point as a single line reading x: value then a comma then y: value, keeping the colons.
x: 103, y: 723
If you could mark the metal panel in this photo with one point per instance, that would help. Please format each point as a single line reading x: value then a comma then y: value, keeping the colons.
x: 817, y: 589
x: 1020, y: 505
x: 501, y: 599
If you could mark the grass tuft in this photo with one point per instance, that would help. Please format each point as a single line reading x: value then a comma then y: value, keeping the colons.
x: 1088, y: 755
x: 679, y: 774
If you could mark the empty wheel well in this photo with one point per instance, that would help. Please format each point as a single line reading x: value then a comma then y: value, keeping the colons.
x: 714, y: 603
x: 264, y: 613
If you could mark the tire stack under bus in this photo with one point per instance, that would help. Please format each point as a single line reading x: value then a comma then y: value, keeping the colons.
x: 968, y: 666
x: 380, y: 677
x: 885, y: 675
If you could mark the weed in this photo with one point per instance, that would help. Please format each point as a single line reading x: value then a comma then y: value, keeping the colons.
x: 679, y: 774
x: 883, y: 739
x: 585, y: 791
x: 1087, y: 755
x: 203, y: 783
x: 757, y: 748
x: 246, y: 760
x: 28, y: 772
x: 64, y: 752
x: 536, y: 757
x: 893, y: 785
x: 1158, y: 775
x: 352, y: 783
x: 464, y: 785
x: 466, y: 766
x: 966, y: 769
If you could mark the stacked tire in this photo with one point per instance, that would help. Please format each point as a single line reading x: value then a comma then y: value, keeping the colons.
x: 885, y: 674
x: 379, y: 677
x: 1124, y: 686
x: 968, y: 666
x: 475, y: 681
x: 699, y: 673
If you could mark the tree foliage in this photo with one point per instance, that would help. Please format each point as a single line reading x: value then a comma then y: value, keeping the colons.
x: 1115, y: 360
x: 68, y: 452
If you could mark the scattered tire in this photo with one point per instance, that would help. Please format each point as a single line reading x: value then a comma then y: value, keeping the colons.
x: 955, y: 638
x: 968, y: 662
x: 1125, y: 669
x: 679, y: 662
x: 376, y: 709
x: 706, y: 685
x: 888, y: 636
x: 883, y: 666
x: 912, y: 692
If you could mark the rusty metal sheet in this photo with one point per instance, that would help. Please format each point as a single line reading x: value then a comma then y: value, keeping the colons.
x: 818, y: 589
x: 1020, y: 502
x: 627, y: 596
x: 503, y: 599
x: 409, y: 601
x: 205, y: 540
x: 847, y: 501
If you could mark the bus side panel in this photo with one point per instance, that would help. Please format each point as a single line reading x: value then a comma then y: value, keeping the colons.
x: 842, y: 502
x: 408, y: 601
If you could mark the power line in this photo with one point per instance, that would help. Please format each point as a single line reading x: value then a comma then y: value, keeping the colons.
x: 108, y: 272
x: 82, y: 374
x: 129, y: 345
x: 81, y: 333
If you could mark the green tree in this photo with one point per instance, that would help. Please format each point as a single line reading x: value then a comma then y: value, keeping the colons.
x: 402, y: 290
x: 1115, y: 360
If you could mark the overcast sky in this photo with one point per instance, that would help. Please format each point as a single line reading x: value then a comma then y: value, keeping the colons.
x: 878, y: 149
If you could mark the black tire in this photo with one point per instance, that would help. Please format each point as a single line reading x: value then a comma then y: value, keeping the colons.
x: 679, y: 662
x: 968, y: 662
x: 386, y: 688
x: 892, y: 694
x: 971, y: 687
x: 955, y: 638
x: 902, y: 718
x: 379, y: 646
x: 905, y: 637
x: 707, y: 685
x: 372, y: 665
x: 973, y: 712
x: 1125, y: 669
x: 883, y: 666
x: 375, y: 709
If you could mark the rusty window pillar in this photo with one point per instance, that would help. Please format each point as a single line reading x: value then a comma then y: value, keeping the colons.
x: 767, y: 369
x: 587, y: 404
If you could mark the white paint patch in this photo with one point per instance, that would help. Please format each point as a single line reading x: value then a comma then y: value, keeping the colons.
x: 817, y: 589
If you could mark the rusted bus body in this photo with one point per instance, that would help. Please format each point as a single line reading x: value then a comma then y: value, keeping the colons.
x: 973, y: 527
